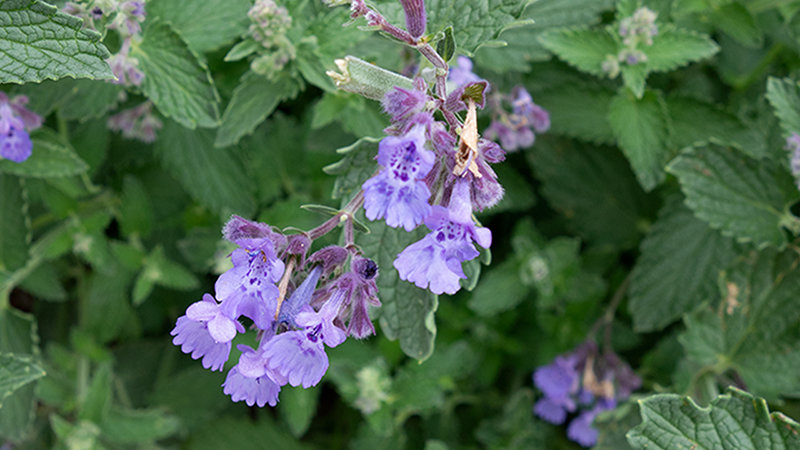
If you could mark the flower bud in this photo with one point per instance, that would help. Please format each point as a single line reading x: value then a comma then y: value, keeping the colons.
x: 415, y: 17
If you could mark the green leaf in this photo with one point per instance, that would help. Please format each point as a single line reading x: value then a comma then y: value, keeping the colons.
x: 243, y: 49
x: 175, y: 80
x: 14, y: 223
x: 736, y: 194
x: 674, y: 48
x: 502, y: 278
x: 696, y: 123
x: 298, y: 408
x: 515, y: 428
x: 194, y: 20
x: 90, y: 100
x: 475, y: 23
x: 140, y: 425
x: 193, y: 395
x: 613, y: 425
x: 159, y: 270
x: 581, y: 47
x: 44, y: 283
x: 106, y: 312
x: 135, y: 212
x: 733, y: 421
x: 15, y: 372
x: 18, y: 336
x: 635, y: 78
x: 212, y: 176
x: 52, y: 157
x: 407, y: 312
x: 97, y: 403
x: 640, y: 128
x: 579, y: 111
x: 253, y: 100
x: 37, y: 42
x: 355, y: 168
x: 784, y: 95
x: 446, y: 47
x: 737, y: 22
x: 233, y: 432
x: 678, y: 268
x: 593, y: 188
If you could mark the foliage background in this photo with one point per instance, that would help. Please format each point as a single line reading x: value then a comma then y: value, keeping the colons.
x: 670, y: 189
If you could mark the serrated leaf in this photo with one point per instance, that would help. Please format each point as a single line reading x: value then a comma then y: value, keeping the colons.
x: 593, y: 188
x: 140, y: 425
x: 15, y: 372
x: 581, y: 47
x: 194, y: 20
x: 175, y: 80
x: 635, y: 77
x: 253, y: 100
x: 210, y: 175
x: 696, y: 123
x: 580, y: 112
x: 407, y: 312
x: 784, y: 96
x: 38, y: 42
x: 674, y: 48
x: 52, y: 157
x: 640, y: 128
x: 18, y: 335
x: 733, y: 421
x: 14, y: 223
x: 734, y: 193
x: 678, y: 268
x: 354, y: 168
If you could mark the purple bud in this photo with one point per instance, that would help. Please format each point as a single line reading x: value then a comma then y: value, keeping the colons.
x: 97, y: 13
x: 367, y: 269
x: 331, y: 257
x: 239, y: 228
x: 299, y: 244
x: 415, y: 17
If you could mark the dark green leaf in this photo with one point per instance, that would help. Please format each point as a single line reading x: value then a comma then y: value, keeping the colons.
x: 14, y: 223
x: 44, y: 283
x: 233, y: 432
x: 37, y: 42
x: 784, y: 95
x: 205, y: 25
x: 502, y: 278
x: 581, y: 47
x: 354, y: 168
x: 674, y: 48
x: 130, y: 426
x: 97, y: 403
x: 18, y: 335
x: 298, y: 408
x: 90, y: 100
x: 16, y: 372
x: 737, y: 22
x: 580, y: 112
x: 446, y: 47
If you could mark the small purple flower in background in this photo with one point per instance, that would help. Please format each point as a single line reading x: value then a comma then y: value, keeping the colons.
x: 125, y: 67
x: 130, y: 15
x: 461, y: 74
x: 398, y: 192
x: 793, y: 145
x: 435, y: 261
x: 637, y: 31
x: 136, y: 123
x: 16, y: 121
x: 516, y: 130
x: 583, y: 381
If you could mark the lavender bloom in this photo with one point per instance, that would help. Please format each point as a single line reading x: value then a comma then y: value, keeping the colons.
x: 397, y: 192
x: 238, y: 228
x: 402, y: 103
x: 254, y: 391
x: 559, y: 383
x: 323, y: 320
x: 535, y: 115
x: 15, y: 122
x: 347, y: 299
x: 136, y: 123
x: 515, y: 130
x: 299, y: 356
x: 130, y: 14
x: 415, y: 17
x: 221, y: 328
x: 461, y: 73
x: 125, y: 67
x: 581, y: 430
x: 195, y: 339
x: 435, y: 261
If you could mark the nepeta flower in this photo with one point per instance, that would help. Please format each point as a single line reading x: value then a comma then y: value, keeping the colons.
x: 196, y: 340
x: 136, y: 123
x: 559, y: 382
x: 298, y: 355
x: 461, y: 73
x: 254, y: 391
x: 125, y: 67
x: 347, y: 299
x: 516, y: 130
x: 402, y: 103
x: 435, y: 261
x: 15, y: 123
x: 535, y: 116
x: 398, y: 192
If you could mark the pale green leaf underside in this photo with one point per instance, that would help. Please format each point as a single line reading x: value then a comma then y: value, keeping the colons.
x: 733, y: 193
x: 179, y: 85
x: 733, y: 421
x: 678, y: 268
x: 37, y: 42
x: 15, y: 372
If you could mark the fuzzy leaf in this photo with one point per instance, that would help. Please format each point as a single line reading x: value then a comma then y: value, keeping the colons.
x: 784, y: 95
x: 581, y: 47
x: 407, y: 312
x: 640, y: 128
x: 674, y: 48
x: 193, y: 20
x: 354, y: 168
x: 175, y: 80
x: 37, y: 43
x: 733, y: 421
x: 678, y: 268
x: 253, y: 100
x: 736, y: 194
x: 580, y: 112
x: 502, y: 278
x: 16, y: 372
x: 210, y: 175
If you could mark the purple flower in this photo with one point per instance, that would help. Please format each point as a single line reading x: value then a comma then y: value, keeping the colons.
x: 136, y: 123
x: 580, y: 429
x: 559, y: 383
x: 237, y: 229
x: 254, y: 391
x: 195, y: 339
x: 347, y: 299
x: 125, y: 67
x: 221, y: 328
x: 461, y: 73
x: 15, y: 122
x: 402, y: 103
x: 323, y: 320
x: 535, y: 115
x: 435, y: 260
x: 299, y: 356
x: 415, y: 17
x: 397, y: 192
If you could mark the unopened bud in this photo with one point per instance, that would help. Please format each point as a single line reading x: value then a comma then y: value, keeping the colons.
x: 360, y: 77
x: 415, y: 17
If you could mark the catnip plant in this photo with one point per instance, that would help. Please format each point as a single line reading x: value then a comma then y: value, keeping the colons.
x: 400, y: 224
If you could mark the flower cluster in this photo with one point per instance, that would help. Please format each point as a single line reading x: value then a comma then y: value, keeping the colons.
x: 793, y: 145
x: 136, y: 123
x: 516, y: 130
x: 127, y: 22
x: 270, y: 23
x: 638, y: 29
x: 583, y: 381
x: 15, y: 122
x: 292, y: 333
